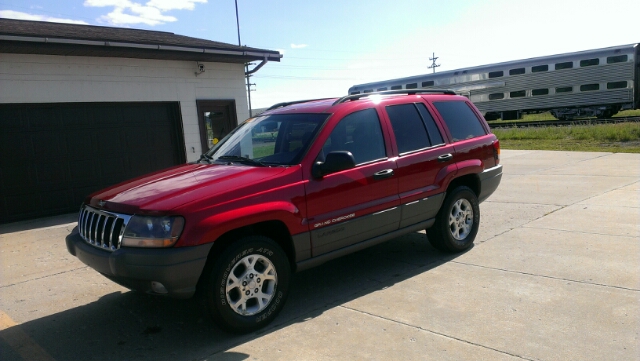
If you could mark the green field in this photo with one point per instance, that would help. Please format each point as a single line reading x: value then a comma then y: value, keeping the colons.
x: 548, y: 116
x: 621, y: 138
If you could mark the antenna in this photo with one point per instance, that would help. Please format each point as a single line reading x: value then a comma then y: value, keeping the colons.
x: 433, y: 63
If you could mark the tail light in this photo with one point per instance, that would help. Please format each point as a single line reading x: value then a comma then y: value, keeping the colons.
x: 496, y: 151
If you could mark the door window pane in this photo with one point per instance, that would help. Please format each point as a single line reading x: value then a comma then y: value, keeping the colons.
x: 408, y: 128
x: 360, y: 134
x: 461, y: 120
x: 215, y: 123
x: 432, y: 128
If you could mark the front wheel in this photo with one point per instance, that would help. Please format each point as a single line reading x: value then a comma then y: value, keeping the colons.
x: 457, y: 221
x: 248, y: 284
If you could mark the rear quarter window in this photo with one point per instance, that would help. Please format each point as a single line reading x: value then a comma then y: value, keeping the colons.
x: 460, y: 119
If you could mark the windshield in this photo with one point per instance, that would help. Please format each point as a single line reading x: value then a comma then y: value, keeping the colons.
x: 280, y: 139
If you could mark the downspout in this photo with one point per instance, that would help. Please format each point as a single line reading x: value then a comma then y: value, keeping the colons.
x: 249, y: 72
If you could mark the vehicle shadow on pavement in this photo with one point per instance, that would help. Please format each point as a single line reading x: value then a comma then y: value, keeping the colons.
x: 135, y: 326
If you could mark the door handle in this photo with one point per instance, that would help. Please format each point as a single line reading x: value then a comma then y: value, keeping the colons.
x: 445, y: 157
x: 383, y: 174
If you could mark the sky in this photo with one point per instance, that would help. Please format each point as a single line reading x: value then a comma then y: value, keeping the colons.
x: 330, y: 45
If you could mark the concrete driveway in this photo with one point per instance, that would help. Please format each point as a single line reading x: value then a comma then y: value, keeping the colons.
x: 554, y: 275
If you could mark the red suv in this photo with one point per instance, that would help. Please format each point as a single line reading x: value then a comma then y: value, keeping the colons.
x: 296, y: 186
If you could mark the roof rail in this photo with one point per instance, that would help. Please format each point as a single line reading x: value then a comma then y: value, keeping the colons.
x: 391, y: 92
x: 286, y: 104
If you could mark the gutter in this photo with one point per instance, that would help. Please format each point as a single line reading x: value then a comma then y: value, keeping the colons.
x: 265, y: 56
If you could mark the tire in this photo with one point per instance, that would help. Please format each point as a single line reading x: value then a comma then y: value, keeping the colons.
x: 457, y: 221
x: 248, y: 284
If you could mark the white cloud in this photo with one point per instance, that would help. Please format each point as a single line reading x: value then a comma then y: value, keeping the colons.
x: 10, y: 14
x: 175, y: 4
x: 298, y: 46
x: 127, y: 12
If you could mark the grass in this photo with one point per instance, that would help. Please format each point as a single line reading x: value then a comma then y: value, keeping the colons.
x: 548, y: 116
x: 621, y: 138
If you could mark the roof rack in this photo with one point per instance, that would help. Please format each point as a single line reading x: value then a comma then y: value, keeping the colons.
x: 286, y: 104
x: 391, y: 92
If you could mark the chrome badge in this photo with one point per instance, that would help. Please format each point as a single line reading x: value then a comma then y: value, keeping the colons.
x: 101, y: 203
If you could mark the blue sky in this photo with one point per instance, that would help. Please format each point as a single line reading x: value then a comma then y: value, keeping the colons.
x: 330, y: 45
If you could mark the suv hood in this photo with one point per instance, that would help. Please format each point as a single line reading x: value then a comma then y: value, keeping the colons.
x: 165, y: 190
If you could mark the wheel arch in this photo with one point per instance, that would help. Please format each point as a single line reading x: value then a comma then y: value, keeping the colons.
x: 275, y: 230
x: 469, y: 180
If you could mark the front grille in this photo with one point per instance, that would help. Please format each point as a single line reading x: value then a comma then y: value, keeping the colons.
x: 102, y: 229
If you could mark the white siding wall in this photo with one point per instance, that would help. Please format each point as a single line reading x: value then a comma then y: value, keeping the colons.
x: 28, y: 78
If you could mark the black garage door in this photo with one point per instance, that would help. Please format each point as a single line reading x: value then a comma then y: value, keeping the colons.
x: 53, y: 155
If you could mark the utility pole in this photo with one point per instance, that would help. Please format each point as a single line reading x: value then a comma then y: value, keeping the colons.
x: 246, y: 65
x: 433, y: 62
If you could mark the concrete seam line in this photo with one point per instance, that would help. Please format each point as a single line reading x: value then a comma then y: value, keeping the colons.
x: 437, y: 333
x: 564, y: 230
x: 549, y: 277
x: 609, y: 191
x: 47, y: 276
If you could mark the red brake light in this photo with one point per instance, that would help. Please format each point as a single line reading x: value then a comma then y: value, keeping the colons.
x: 496, y: 151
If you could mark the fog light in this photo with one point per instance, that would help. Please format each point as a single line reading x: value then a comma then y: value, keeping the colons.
x: 158, y: 287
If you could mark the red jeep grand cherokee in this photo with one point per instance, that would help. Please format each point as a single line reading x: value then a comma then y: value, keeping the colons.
x: 296, y: 186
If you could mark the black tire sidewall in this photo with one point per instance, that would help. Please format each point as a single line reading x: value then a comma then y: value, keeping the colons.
x: 216, y: 296
x: 450, y: 242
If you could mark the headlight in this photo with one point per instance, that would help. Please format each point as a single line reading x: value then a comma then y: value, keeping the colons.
x: 142, y: 231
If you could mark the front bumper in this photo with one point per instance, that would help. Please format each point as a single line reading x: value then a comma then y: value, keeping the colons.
x: 489, y: 181
x: 177, y: 269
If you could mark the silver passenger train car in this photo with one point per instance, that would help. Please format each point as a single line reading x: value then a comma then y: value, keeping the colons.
x: 598, y: 82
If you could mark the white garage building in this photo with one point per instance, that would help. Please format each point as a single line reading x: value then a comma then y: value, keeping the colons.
x: 83, y: 107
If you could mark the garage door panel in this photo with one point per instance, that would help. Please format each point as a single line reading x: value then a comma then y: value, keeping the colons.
x: 44, y: 118
x: 54, y: 155
x: 48, y: 145
x: 19, y: 178
x: 12, y: 118
x: 51, y: 176
x: 75, y: 117
x: 17, y: 145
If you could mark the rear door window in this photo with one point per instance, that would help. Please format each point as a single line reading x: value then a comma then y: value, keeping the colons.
x: 408, y: 128
x: 460, y: 119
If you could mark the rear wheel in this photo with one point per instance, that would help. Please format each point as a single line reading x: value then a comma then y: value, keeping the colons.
x: 457, y: 221
x: 248, y: 284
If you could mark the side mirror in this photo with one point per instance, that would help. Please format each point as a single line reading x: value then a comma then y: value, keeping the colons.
x: 334, y: 162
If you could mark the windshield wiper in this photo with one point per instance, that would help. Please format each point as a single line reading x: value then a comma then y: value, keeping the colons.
x: 245, y: 160
x: 206, y: 157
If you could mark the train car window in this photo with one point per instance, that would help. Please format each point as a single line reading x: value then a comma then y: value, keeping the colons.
x: 589, y: 87
x: 428, y: 83
x: 461, y: 120
x: 535, y: 92
x: 518, y: 94
x: 368, y: 91
x: 517, y: 71
x: 432, y: 128
x: 412, y: 86
x: 617, y: 84
x: 354, y: 93
x: 396, y: 87
x: 496, y: 96
x: 381, y: 89
x: 539, y: 68
x: 589, y: 62
x: 617, y: 59
x: 408, y: 128
x: 565, y: 65
x: 496, y: 74
x: 564, y: 89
